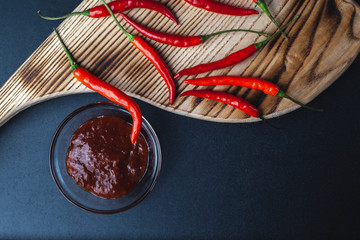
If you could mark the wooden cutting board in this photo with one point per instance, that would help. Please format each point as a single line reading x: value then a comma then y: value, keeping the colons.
x: 324, y: 42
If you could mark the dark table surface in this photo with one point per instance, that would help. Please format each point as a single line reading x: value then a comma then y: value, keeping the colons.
x: 218, y: 180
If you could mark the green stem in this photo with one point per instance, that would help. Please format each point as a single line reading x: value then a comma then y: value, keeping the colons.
x: 206, y: 37
x: 85, y: 13
x: 130, y: 36
x: 265, y: 8
x: 283, y: 94
x: 261, y: 44
x: 73, y: 64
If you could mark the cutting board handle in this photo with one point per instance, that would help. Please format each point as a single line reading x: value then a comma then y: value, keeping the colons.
x: 324, y: 42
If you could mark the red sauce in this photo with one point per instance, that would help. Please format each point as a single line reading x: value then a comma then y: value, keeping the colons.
x: 102, y: 160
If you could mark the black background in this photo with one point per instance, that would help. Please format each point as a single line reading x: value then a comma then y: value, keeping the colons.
x: 245, y: 181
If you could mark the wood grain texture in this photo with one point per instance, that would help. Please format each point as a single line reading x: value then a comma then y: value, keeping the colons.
x: 324, y: 42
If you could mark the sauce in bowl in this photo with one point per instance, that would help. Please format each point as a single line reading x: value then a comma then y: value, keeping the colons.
x: 102, y: 160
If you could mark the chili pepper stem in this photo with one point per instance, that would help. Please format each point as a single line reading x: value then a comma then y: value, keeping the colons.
x: 284, y: 95
x: 85, y: 13
x: 266, y: 10
x: 73, y: 64
x: 206, y: 37
x: 130, y: 36
x: 261, y: 44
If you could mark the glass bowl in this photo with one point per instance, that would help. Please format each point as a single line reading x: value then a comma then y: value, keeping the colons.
x: 73, y: 192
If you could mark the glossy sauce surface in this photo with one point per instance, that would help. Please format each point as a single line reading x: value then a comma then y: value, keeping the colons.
x: 102, y: 160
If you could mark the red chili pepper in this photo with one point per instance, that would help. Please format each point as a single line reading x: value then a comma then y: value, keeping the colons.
x: 110, y: 92
x: 152, y: 55
x: 222, y: 8
x: 120, y: 6
x: 159, y: 64
x: 231, y: 59
x: 174, y: 39
x: 227, y: 98
x: 248, y: 82
x: 264, y: 7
